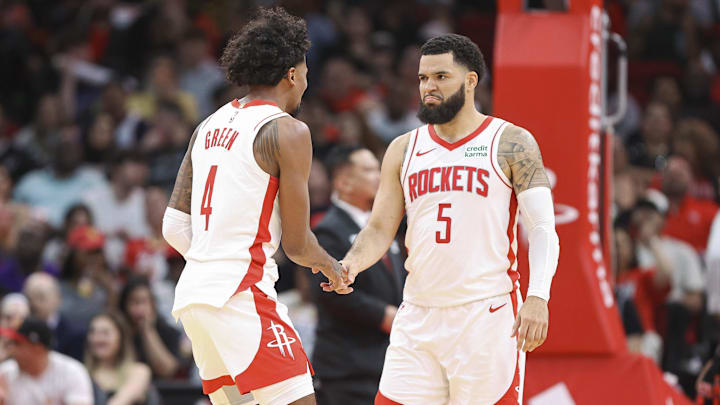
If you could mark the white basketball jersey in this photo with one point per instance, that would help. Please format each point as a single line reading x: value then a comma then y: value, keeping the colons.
x: 234, y: 209
x: 462, y: 218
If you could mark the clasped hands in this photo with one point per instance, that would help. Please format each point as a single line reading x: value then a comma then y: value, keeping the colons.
x: 340, y: 277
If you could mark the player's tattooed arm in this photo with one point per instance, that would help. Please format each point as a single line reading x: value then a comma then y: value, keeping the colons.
x: 180, y: 197
x: 266, y: 148
x: 520, y: 159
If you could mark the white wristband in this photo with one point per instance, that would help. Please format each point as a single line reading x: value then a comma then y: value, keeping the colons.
x: 177, y: 229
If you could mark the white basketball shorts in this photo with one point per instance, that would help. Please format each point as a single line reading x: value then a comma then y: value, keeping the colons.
x: 454, y: 355
x: 249, y: 343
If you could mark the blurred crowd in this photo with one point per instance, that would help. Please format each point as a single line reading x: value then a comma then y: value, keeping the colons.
x: 100, y: 97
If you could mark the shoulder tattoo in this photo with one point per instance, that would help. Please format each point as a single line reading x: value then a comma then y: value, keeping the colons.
x: 181, y: 194
x: 519, y: 156
x: 266, y: 144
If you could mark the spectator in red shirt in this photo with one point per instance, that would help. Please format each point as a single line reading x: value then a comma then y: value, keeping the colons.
x: 647, y: 285
x: 688, y: 219
x: 646, y: 288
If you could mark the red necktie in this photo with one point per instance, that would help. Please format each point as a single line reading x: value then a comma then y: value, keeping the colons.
x: 388, y: 263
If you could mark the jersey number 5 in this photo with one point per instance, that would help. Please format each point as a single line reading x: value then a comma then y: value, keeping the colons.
x: 205, y: 208
x: 448, y: 222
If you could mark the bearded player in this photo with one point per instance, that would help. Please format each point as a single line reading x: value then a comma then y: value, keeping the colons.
x: 243, y: 184
x: 461, y: 334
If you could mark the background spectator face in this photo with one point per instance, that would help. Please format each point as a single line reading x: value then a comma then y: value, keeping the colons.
x: 49, y: 113
x: 646, y: 223
x: 43, y: 293
x: 114, y: 101
x: 625, y: 191
x: 163, y: 78
x: 31, y: 357
x: 139, y: 306
x: 78, y: 215
x: 338, y: 76
x: 657, y: 124
x: 361, y: 178
x: 101, y: 134
x: 107, y: 339
x: 86, y: 254
x: 68, y: 153
x: 383, y: 54
x: 169, y: 128
x: 130, y: 172
x: 625, y: 250
x: 677, y: 177
x: 14, y: 308
x: 667, y: 91
x: 31, y: 242
x: 357, y: 25
x: 193, y: 49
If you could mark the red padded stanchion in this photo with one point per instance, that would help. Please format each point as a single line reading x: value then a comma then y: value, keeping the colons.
x: 547, y: 78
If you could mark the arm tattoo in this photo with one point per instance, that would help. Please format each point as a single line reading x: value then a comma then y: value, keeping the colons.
x: 266, y: 143
x: 519, y: 155
x: 180, y: 198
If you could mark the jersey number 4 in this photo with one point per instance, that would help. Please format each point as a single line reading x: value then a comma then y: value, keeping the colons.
x: 205, y: 208
x: 448, y: 222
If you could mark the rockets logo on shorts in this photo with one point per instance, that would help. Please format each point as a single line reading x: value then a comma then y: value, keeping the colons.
x: 281, y: 339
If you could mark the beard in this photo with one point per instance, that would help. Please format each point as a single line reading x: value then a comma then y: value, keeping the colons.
x: 444, y: 112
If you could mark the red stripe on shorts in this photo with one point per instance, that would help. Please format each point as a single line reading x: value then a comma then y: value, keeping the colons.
x: 210, y: 386
x: 381, y: 399
x: 257, y: 254
x: 280, y: 355
x: 512, y: 395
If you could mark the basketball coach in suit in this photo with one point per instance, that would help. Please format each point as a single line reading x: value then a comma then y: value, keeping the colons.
x: 353, y: 330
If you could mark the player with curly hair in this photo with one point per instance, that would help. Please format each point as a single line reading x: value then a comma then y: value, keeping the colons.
x: 241, y: 189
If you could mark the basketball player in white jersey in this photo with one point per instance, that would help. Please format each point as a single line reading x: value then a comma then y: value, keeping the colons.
x: 243, y: 184
x: 460, y: 335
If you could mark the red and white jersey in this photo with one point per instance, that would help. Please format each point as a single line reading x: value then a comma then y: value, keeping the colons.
x: 462, y: 218
x: 234, y: 209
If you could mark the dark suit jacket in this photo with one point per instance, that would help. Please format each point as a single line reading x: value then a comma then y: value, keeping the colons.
x: 69, y: 338
x: 349, y: 341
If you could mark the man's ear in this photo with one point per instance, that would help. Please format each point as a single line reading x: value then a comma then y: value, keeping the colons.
x: 471, y: 80
x: 291, y: 74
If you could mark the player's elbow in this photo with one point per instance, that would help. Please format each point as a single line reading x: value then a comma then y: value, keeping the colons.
x: 294, y: 248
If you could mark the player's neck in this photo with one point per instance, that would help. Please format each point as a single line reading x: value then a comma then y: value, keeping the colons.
x: 465, y: 122
x: 268, y: 94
